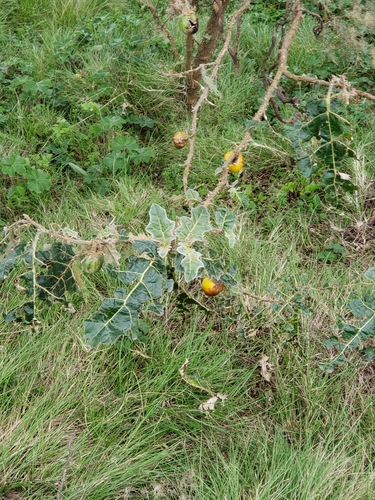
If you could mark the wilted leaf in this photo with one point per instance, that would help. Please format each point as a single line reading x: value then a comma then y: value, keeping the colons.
x: 209, y: 405
x: 111, y: 255
x: 194, y: 379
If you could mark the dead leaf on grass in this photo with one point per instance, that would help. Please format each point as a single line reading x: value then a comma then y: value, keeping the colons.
x: 209, y: 405
x: 265, y: 368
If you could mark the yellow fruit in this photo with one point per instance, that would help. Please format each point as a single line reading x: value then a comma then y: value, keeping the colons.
x: 180, y: 140
x: 237, y: 164
x: 210, y: 287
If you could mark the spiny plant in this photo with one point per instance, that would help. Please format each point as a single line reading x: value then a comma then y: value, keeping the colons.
x: 175, y: 252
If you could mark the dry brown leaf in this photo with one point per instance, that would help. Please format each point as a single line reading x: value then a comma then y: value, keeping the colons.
x: 209, y: 405
x: 265, y: 368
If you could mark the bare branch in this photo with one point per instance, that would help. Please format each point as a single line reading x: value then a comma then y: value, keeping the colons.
x: 161, y: 26
x: 283, y: 59
x: 187, y: 72
x: 203, y: 98
x: 324, y: 83
x: 207, y: 46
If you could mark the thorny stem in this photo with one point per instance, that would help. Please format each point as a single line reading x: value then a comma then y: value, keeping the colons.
x: 188, y: 62
x: 161, y: 26
x: 204, y: 95
x: 316, y: 81
x: 283, y: 58
x: 59, y: 235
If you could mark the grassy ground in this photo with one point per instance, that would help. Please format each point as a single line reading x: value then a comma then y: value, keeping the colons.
x: 119, y: 422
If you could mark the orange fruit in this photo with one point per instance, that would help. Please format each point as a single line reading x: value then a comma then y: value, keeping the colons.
x: 211, y: 288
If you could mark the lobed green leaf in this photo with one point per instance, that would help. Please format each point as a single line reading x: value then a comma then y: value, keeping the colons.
x: 193, y: 229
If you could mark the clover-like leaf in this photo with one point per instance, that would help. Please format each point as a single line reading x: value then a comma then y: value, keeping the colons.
x: 38, y: 180
x: 192, y: 229
x: 123, y: 142
x: 14, y: 164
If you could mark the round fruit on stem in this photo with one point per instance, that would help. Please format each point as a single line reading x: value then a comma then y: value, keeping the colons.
x: 92, y: 263
x: 188, y: 23
x: 237, y: 163
x: 211, y: 288
x: 180, y: 140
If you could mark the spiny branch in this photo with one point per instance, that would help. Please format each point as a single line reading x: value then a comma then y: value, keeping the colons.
x: 283, y: 59
x: 161, y: 26
x: 204, y: 95
x: 316, y: 81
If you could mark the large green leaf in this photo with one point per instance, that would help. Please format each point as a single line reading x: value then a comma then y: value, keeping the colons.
x: 227, y: 221
x: 193, y: 229
x: 117, y: 316
x: 191, y: 263
x: 322, y: 143
x: 161, y: 228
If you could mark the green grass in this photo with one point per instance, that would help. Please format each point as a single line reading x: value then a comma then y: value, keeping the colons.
x: 118, y: 422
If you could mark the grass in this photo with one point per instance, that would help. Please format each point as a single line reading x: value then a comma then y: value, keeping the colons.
x: 119, y: 421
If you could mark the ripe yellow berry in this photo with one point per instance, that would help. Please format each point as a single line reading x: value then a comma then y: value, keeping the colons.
x: 237, y: 164
x: 211, y: 288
